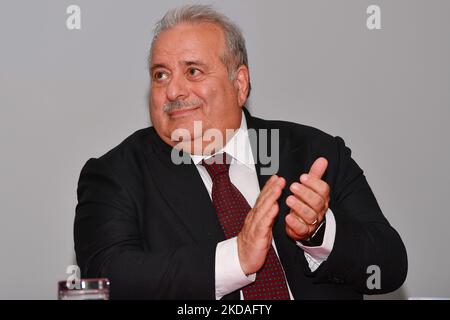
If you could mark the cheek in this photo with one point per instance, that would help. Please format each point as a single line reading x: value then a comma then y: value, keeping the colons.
x: 156, y: 108
x: 210, y: 94
x: 218, y: 98
x: 156, y: 99
x: 203, y: 91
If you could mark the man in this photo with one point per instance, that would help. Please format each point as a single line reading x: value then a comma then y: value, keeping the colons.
x: 216, y: 227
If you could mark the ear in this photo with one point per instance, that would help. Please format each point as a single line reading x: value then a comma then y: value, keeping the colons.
x: 241, y: 83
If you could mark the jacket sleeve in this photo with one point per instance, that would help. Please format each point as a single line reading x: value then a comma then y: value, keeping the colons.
x: 108, y: 243
x: 364, y: 237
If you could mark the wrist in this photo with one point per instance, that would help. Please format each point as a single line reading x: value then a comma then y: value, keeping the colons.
x: 244, y: 267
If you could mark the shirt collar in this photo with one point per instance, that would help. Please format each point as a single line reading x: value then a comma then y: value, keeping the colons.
x: 238, y: 147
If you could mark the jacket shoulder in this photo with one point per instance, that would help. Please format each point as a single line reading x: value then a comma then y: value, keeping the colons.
x: 123, y: 162
x: 296, y: 133
x: 132, y: 146
x: 122, y: 166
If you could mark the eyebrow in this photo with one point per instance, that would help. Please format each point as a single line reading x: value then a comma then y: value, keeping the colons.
x: 158, y: 65
x: 194, y: 62
x: 185, y: 62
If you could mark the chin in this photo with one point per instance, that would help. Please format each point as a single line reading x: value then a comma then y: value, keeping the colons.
x: 186, y: 130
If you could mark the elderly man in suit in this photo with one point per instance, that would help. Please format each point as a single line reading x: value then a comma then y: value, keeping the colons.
x: 217, y: 227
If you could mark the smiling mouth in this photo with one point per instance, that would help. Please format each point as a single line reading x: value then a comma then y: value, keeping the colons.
x: 182, y: 112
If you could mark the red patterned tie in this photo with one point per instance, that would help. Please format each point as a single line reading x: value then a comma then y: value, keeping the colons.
x: 232, y: 208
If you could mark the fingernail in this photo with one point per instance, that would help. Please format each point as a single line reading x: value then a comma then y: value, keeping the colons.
x: 280, y: 182
x: 295, y: 186
x: 304, y: 177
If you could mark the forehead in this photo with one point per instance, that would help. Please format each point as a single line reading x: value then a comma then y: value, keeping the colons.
x: 189, y: 41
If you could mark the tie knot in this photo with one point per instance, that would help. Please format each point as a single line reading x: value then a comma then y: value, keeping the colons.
x: 218, y: 164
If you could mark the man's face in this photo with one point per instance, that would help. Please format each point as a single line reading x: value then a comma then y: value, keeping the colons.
x: 186, y: 67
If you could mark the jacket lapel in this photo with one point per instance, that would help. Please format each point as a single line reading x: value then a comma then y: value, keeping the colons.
x: 184, y: 192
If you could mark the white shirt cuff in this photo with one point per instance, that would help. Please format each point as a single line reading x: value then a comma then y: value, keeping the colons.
x: 229, y: 274
x: 316, y: 255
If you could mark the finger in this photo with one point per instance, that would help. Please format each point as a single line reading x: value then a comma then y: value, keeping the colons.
x: 276, y: 190
x: 291, y: 233
x: 269, y: 183
x: 308, y: 196
x: 298, y: 228
x: 266, y: 190
x: 301, y: 210
x: 281, y: 182
x: 317, y: 185
x: 268, y: 219
x: 277, y: 182
x: 318, y: 167
x: 268, y: 208
x: 270, y: 194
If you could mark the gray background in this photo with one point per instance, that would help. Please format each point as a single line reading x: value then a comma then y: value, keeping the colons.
x: 66, y: 96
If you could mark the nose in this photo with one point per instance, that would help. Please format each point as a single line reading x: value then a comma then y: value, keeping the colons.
x: 177, y: 88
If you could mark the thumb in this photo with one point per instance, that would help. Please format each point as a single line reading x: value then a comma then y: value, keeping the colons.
x: 318, y: 168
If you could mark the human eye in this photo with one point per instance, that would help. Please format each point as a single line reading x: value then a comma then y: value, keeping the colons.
x: 194, y: 72
x: 160, y: 76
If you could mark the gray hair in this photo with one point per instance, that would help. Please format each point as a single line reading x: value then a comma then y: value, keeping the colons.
x: 235, y: 53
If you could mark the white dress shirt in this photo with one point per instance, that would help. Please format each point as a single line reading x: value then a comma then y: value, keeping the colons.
x: 228, y: 272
